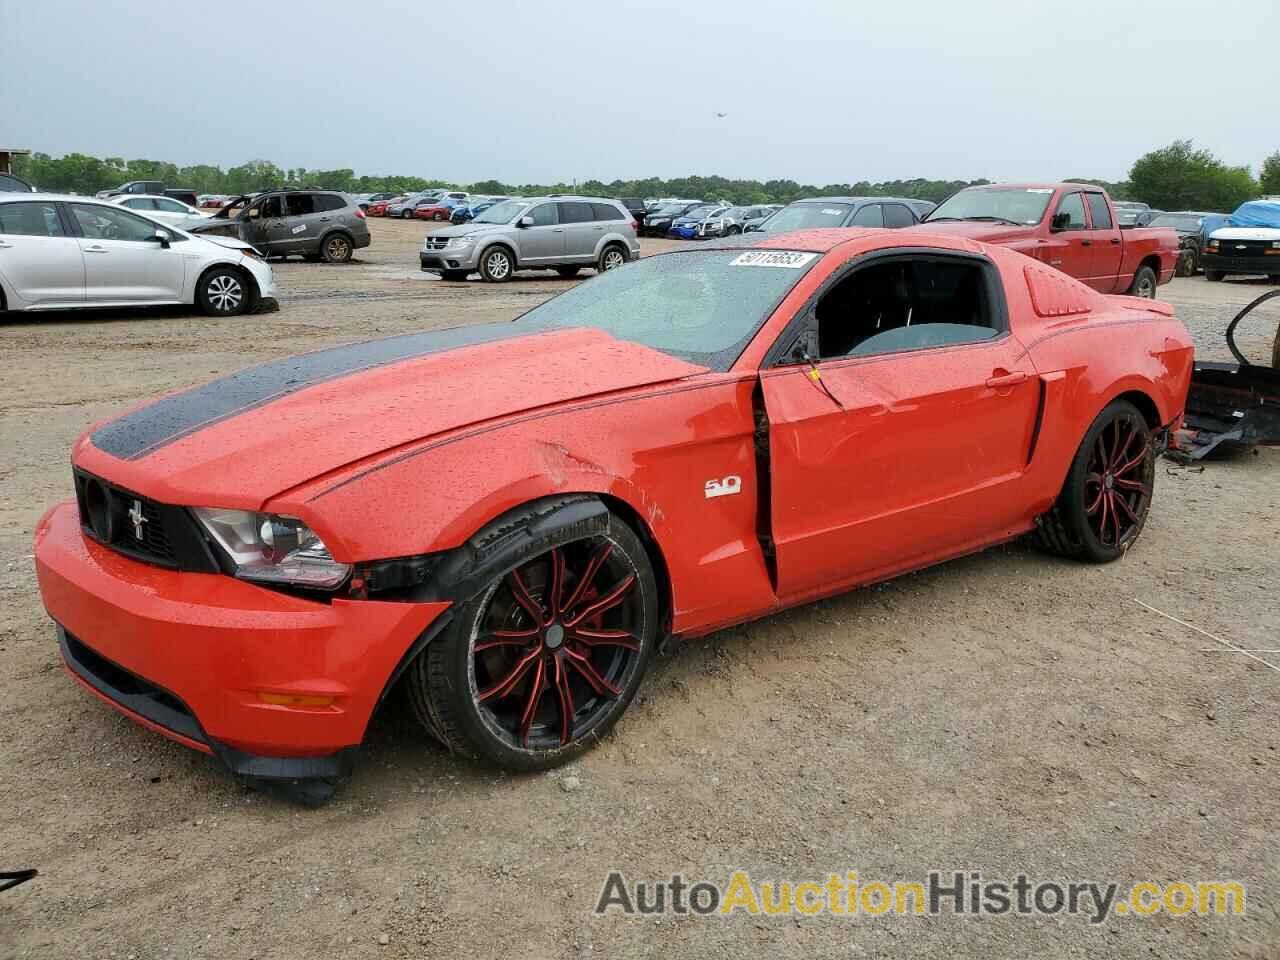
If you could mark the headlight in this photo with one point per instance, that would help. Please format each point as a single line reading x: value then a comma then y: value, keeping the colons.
x: 460, y: 241
x: 273, y: 549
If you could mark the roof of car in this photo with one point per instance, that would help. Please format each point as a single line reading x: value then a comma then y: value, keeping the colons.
x: 851, y: 200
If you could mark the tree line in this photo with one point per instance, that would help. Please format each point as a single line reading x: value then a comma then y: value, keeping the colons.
x: 1176, y: 177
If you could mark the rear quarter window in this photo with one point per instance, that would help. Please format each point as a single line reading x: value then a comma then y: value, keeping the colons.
x: 330, y: 201
x: 607, y: 211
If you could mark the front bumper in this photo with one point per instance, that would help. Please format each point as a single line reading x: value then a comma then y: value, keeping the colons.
x: 1267, y: 263
x: 191, y: 655
x: 683, y: 233
x: 450, y: 258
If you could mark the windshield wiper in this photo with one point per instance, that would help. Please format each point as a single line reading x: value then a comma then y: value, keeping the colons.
x: 938, y: 219
x: 1013, y: 223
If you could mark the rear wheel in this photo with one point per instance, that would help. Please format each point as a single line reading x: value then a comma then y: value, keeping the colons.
x: 497, y: 265
x: 568, y: 272
x: 541, y: 663
x: 407, y: 215
x: 223, y: 292
x: 437, y: 216
x: 612, y: 257
x: 1144, y: 283
x: 1186, y: 264
x: 1213, y: 276
x: 1103, y: 505
x: 337, y: 248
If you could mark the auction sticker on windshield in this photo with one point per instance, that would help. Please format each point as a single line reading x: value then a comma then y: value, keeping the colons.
x: 791, y: 259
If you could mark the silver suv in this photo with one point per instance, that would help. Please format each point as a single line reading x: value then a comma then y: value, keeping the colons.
x: 564, y: 234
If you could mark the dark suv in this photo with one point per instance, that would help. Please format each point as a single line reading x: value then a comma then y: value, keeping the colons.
x: 315, y: 224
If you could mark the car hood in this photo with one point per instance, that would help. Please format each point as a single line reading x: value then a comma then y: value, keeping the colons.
x: 1245, y: 233
x: 974, y: 230
x: 471, y: 229
x: 239, y: 441
x: 231, y: 243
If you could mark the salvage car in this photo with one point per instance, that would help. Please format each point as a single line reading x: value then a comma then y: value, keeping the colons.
x: 314, y: 224
x: 817, y: 212
x: 659, y: 221
x: 66, y: 252
x: 1189, y: 225
x: 164, y: 209
x: 1249, y: 245
x: 690, y: 224
x: 508, y: 519
x: 560, y: 233
x: 1071, y: 226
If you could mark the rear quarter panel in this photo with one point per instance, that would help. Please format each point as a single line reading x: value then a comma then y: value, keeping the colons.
x: 1143, y: 242
x: 1089, y: 349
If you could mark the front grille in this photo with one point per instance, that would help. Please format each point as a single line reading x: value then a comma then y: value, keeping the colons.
x: 141, y: 528
x: 434, y: 243
x: 1244, y: 248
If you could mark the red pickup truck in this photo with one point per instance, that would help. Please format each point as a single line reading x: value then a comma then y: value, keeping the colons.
x: 1071, y: 226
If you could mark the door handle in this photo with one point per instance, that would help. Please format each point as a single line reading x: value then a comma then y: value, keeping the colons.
x: 557, y: 230
x: 94, y: 249
x: 1115, y: 241
x: 1086, y: 243
x: 324, y: 219
x: 4, y: 244
x: 998, y: 379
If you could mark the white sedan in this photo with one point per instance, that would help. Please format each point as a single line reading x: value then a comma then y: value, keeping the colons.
x: 165, y: 209
x: 58, y: 253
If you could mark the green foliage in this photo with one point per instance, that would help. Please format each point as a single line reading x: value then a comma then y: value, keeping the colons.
x: 1269, y: 178
x: 1179, y: 177
x: 1119, y: 189
x: 78, y: 173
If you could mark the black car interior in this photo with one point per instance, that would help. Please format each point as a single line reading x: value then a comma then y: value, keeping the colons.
x: 905, y: 304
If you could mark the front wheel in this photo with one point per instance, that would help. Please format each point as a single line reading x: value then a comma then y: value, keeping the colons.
x: 544, y: 660
x: 611, y: 258
x: 437, y: 217
x: 497, y: 265
x: 223, y: 293
x: 1103, y: 505
x: 1144, y: 284
x: 408, y: 214
x: 1213, y: 276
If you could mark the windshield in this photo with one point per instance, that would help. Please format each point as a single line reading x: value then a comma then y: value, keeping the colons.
x: 670, y: 210
x: 804, y: 216
x: 697, y: 213
x: 1179, y: 221
x: 501, y: 212
x: 1019, y: 205
x: 701, y: 306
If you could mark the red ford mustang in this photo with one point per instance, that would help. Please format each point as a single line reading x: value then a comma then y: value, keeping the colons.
x: 508, y: 518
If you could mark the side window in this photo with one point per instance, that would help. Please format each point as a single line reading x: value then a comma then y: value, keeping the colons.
x: 30, y: 220
x: 572, y: 212
x: 905, y: 304
x: 269, y: 207
x: 544, y: 215
x: 139, y: 203
x: 1072, y: 207
x: 111, y: 223
x: 1099, y: 212
x: 868, y: 216
x: 169, y: 206
x: 329, y: 201
x: 606, y: 211
x: 896, y: 215
x: 299, y: 204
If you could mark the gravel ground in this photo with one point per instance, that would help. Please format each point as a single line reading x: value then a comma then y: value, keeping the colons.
x: 1008, y: 713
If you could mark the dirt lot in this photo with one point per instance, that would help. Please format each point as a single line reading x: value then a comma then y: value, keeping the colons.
x: 1007, y: 713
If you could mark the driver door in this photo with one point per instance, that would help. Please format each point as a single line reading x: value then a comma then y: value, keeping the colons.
x: 906, y: 440
x: 123, y: 262
x: 260, y: 221
x: 1070, y: 247
x: 543, y: 242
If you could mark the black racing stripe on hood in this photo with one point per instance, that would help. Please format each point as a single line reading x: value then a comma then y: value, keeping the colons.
x: 146, y: 430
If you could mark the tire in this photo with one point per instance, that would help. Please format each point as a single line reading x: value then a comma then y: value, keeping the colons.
x: 1186, y: 265
x: 454, y: 276
x: 497, y: 264
x: 406, y: 215
x: 337, y: 248
x: 732, y: 231
x: 1213, y: 276
x: 1103, y: 505
x: 568, y: 272
x: 482, y: 703
x: 224, y: 292
x: 1144, y: 283
x: 437, y: 217
x: 611, y: 257
x: 1275, y: 348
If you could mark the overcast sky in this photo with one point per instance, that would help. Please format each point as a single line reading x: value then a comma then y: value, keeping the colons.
x: 818, y: 91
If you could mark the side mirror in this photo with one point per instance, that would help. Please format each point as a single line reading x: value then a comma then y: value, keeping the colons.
x: 751, y: 228
x: 162, y: 237
x: 525, y: 222
x: 1060, y: 221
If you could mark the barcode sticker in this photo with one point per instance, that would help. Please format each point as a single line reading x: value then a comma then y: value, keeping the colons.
x: 791, y: 259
